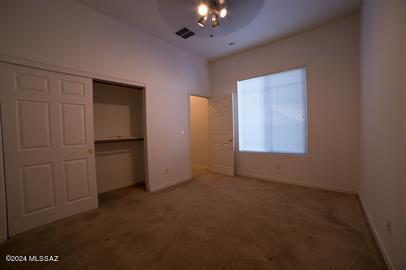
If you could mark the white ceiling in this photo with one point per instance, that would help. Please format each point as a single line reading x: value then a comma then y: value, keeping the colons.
x: 277, y: 19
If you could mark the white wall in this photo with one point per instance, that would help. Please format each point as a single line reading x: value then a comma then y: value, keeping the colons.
x: 200, y: 129
x: 331, y: 55
x: 69, y: 34
x: 383, y: 123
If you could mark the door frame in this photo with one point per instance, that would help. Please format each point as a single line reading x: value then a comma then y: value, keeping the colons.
x: 189, y: 95
x: 144, y: 118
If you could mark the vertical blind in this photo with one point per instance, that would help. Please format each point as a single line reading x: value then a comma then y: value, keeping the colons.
x: 272, y: 113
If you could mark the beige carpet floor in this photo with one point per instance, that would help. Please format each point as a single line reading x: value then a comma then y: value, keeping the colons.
x: 212, y: 222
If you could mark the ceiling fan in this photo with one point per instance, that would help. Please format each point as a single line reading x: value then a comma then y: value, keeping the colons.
x: 213, y: 10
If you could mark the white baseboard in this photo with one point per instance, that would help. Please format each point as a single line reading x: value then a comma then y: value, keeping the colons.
x: 167, y: 185
x: 378, y: 239
x: 298, y: 183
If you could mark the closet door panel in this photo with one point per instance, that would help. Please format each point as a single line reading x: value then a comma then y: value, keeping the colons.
x: 31, y: 82
x: 38, y: 183
x: 76, y: 179
x: 48, y: 145
x: 33, y: 136
x: 72, y: 88
x: 77, y: 142
x: 73, y: 125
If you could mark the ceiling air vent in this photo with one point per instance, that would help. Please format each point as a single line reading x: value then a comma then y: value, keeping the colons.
x: 185, y: 33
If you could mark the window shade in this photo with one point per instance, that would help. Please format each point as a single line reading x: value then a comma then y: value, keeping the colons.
x: 272, y: 113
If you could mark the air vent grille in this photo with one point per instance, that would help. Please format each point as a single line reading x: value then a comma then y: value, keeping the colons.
x: 185, y: 33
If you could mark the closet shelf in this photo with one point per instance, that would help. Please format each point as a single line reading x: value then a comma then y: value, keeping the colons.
x: 117, y: 139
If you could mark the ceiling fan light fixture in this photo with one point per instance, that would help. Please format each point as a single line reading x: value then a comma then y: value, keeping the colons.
x: 223, y: 12
x: 202, y: 21
x: 214, y: 20
x: 203, y: 9
x: 212, y: 10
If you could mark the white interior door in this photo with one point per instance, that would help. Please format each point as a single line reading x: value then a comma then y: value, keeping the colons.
x: 47, y: 123
x: 222, y: 139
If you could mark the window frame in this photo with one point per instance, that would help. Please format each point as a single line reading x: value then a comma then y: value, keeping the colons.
x: 306, y: 152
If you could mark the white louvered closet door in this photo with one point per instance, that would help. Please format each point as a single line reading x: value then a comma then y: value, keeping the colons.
x: 47, y: 124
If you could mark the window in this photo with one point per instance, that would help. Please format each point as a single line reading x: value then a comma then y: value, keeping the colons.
x: 272, y: 113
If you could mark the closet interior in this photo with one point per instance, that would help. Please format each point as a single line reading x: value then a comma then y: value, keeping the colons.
x: 119, y: 117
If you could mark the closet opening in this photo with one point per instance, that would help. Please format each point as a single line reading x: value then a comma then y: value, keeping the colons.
x: 200, y: 134
x: 119, y: 135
